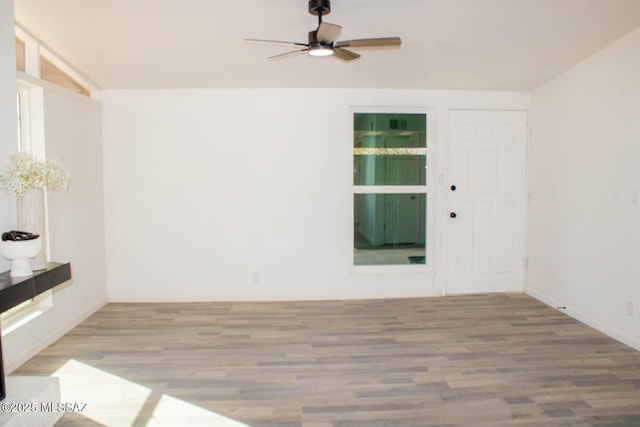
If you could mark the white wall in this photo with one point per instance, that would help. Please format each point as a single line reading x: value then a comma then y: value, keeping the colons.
x: 73, y: 135
x: 584, y: 214
x: 246, y: 194
x: 8, y: 121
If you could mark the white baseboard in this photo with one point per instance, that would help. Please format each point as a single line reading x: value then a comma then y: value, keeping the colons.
x: 186, y: 297
x: 37, y: 347
x: 586, y: 319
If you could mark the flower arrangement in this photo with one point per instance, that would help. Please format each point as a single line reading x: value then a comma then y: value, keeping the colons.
x: 26, y: 171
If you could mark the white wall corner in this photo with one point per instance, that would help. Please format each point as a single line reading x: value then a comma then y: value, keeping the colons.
x: 585, y: 318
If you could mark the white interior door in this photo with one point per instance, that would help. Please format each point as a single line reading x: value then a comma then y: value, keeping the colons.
x: 486, y: 206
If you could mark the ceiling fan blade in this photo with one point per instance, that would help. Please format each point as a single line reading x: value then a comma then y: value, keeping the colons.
x: 378, y: 42
x: 282, y: 55
x: 276, y: 41
x: 344, y: 54
x: 328, y: 33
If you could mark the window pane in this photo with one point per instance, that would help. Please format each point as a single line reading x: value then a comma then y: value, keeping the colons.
x: 19, y: 104
x: 389, y: 229
x: 389, y: 149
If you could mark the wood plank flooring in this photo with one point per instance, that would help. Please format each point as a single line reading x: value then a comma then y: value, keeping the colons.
x: 483, y: 360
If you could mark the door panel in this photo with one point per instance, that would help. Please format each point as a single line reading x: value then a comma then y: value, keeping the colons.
x: 487, y: 165
x: 483, y: 171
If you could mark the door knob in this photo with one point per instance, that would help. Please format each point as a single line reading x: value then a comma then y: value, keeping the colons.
x: 453, y: 215
x: 453, y: 188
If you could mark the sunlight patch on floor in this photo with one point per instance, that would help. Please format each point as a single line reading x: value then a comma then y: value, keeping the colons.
x: 116, y: 402
x: 111, y: 400
x: 172, y: 412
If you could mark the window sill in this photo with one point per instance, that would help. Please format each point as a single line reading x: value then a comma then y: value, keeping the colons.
x: 391, y: 269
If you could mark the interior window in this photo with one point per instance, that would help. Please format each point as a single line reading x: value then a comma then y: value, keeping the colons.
x: 390, y: 188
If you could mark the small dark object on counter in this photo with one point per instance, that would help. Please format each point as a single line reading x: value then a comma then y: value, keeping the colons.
x: 15, y: 236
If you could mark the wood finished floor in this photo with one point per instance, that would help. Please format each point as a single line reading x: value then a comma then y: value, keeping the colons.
x: 486, y: 360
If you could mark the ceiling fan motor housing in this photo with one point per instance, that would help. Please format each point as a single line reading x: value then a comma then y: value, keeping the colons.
x: 315, y: 44
x: 313, y: 37
x: 317, y: 7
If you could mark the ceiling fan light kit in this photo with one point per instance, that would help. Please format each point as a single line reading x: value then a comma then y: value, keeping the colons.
x: 317, y: 48
x: 322, y: 41
x: 320, y: 51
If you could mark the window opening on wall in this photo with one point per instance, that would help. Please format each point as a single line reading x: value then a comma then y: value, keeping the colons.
x: 19, y: 105
x: 26, y: 100
x: 390, y: 189
x: 25, y: 103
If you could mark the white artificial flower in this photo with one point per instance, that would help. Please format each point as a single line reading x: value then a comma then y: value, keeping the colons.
x: 27, y: 171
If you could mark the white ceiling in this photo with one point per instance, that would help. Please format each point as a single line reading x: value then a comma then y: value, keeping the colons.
x: 446, y: 44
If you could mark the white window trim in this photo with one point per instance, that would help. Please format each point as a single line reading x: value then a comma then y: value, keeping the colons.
x: 392, y: 189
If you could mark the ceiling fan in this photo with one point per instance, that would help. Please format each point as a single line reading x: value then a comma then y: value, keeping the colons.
x: 322, y: 41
